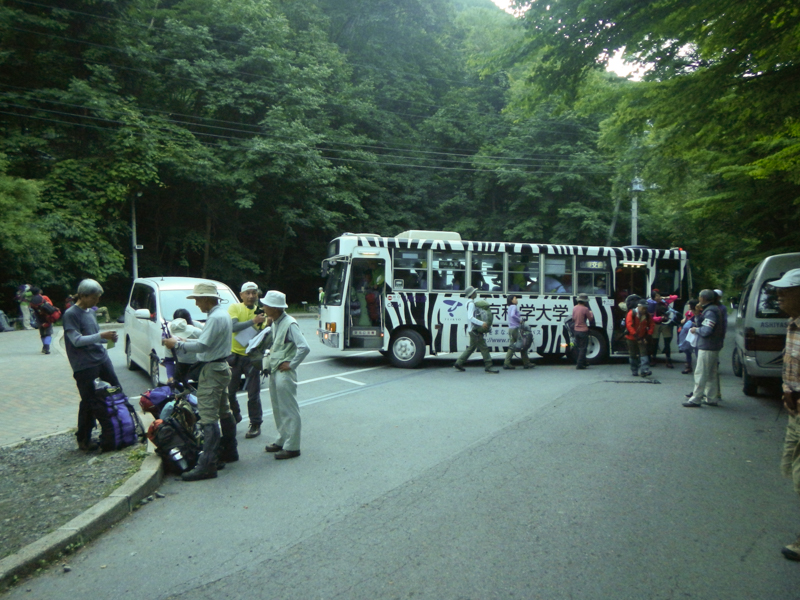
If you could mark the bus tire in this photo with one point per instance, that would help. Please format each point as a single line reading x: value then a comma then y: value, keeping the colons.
x: 736, y: 363
x: 749, y: 384
x: 596, y: 348
x: 407, y: 349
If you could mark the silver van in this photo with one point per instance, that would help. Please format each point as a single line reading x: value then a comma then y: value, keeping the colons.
x: 761, y: 325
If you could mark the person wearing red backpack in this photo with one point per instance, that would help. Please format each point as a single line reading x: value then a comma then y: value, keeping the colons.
x: 639, y: 325
x: 46, y: 314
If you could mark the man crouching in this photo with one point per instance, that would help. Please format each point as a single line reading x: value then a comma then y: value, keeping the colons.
x: 212, y: 348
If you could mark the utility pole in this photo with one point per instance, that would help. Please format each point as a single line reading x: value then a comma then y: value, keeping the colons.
x: 637, y: 185
x: 134, y: 246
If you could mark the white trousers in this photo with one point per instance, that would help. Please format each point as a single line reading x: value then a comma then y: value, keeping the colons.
x: 706, y: 377
x: 283, y: 394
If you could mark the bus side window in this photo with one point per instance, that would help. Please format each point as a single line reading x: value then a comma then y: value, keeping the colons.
x: 487, y: 272
x: 523, y: 273
x: 558, y: 275
x: 448, y: 270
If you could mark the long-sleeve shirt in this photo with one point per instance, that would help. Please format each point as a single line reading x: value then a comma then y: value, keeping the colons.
x: 215, y: 341
x: 513, y: 316
x: 581, y: 315
x: 471, y: 314
x: 791, y: 357
x: 83, y: 342
x: 711, y: 332
x: 287, y: 343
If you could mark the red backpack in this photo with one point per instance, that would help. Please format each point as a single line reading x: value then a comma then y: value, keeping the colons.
x: 48, y: 313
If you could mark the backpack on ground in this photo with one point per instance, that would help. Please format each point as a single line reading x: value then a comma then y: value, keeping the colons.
x: 524, y: 339
x: 177, y: 446
x: 120, y: 426
x: 483, y: 312
x: 152, y: 401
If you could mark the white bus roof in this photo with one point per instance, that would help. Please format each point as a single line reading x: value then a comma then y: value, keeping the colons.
x: 422, y: 234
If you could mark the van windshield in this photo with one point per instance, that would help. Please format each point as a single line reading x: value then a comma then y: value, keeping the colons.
x: 768, y: 302
x: 172, y: 300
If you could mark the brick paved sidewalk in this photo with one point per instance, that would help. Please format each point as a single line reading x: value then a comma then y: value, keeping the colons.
x: 38, y: 396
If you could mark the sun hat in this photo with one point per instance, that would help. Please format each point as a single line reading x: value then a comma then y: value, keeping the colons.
x: 275, y: 299
x: 583, y: 298
x: 180, y: 328
x: 469, y: 292
x: 204, y: 290
x: 249, y: 286
x: 789, y: 279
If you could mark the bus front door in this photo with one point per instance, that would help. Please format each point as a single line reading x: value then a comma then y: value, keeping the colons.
x: 365, y: 304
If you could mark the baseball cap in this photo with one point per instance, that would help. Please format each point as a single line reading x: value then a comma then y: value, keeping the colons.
x: 246, y: 287
x: 789, y: 279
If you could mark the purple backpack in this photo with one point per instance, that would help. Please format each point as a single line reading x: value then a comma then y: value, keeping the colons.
x: 119, y: 424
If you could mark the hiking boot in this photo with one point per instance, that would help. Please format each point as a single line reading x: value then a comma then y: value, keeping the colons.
x: 491, y: 370
x: 691, y: 404
x: 528, y: 366
x: 458, y: 367
x: 509, y: 367
x: 46, y: 349
x: 254, y: 431
x: 792, y: 551
x: 206, y: 467
x: 646, y: 373
x: 89, y: 446
x: 686, y: 371
x: 669, y: 364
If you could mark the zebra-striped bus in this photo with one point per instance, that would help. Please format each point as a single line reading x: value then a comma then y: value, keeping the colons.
x: 403, y: 295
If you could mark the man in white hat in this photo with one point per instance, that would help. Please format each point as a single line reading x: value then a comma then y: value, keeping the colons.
x: 788, y: 288
x: 212, y: 348
x: 243, y: 315
x: 288, y: 348
x: 476, y: 341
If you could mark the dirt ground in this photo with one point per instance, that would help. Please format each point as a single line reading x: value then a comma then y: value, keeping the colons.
x: 46, y: 483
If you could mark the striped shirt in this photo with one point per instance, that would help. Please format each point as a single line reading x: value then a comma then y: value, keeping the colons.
x: 791, y: 357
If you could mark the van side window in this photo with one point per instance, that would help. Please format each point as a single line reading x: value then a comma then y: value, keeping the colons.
x: 767, y: 307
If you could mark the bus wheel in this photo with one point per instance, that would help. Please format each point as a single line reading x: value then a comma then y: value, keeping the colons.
x: 736, y: 363
x: 596, y: 348
x: 407, y: 349
x: 749, y: 384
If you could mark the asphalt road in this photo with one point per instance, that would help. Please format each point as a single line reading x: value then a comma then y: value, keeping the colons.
x: 551, y: 483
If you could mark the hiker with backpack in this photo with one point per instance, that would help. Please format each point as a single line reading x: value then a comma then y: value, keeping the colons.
x: 582, y: 317
x: 87, y: 355
x: 639, y: 326
x: 479, y: 318
x: 212, y: 349
x: 46, y: 315
x: 514, y: 332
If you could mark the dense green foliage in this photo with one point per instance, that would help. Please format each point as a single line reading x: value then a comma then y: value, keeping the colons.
x: 248, y: 133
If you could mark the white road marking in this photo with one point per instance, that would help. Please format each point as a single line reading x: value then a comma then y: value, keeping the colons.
x: 338, y: 376
x: 351, y: 381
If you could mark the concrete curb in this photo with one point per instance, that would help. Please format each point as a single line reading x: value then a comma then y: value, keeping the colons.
x: 86, y: 526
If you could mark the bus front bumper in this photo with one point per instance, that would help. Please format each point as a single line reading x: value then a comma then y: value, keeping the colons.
x: 328, y: 338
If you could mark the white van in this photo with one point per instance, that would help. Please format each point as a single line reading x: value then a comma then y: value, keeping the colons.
x: 761, y: 325
x: 152, y: 302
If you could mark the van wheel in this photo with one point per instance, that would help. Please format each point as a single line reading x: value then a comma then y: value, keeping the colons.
x: 596, y: 348
x: 154, y: 375
x: 736, y: 363
x: 128, y: 360
x: 749, y: 384
x: 407, y: 349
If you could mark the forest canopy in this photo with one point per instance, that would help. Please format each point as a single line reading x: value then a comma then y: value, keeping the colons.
x: 248, y: 133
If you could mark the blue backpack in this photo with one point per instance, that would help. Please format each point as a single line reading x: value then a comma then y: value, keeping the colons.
x: 119, y: 424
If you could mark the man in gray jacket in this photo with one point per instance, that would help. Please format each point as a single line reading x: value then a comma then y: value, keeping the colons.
x: 710, y: 338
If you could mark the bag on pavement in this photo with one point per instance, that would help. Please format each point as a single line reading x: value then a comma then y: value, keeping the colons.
x: 177, y: 445
x: 120, y: 426
x: 152, y: 401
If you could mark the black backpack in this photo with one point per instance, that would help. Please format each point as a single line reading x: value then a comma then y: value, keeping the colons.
x: 176, y: 445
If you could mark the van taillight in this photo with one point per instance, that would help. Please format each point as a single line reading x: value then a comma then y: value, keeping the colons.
x: 763, y: 343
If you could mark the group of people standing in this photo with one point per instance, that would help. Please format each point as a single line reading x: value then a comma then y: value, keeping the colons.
x: 212, y: 354
x: 223, y: 358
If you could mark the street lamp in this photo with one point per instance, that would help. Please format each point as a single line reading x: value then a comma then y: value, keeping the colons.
x: 637, y: 185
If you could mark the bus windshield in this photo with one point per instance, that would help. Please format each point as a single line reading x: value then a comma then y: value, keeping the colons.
x: 334, y: 285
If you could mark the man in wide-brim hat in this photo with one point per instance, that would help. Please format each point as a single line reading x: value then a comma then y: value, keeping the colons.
x: 288, y: 348
x: 212, y: 348
x: 476, y: 341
